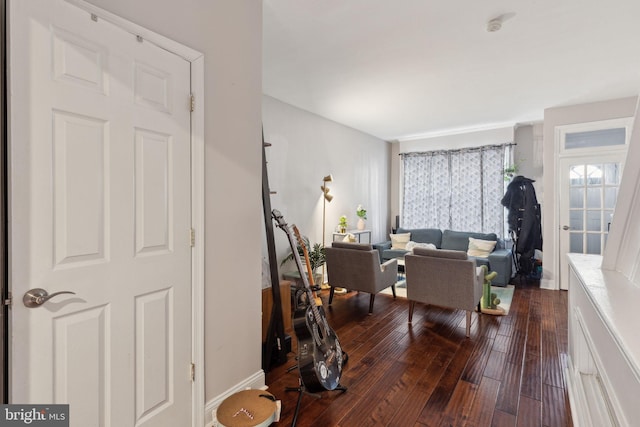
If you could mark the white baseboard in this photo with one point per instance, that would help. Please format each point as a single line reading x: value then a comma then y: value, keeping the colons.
x: 548, y: 284
x: 255, y: 381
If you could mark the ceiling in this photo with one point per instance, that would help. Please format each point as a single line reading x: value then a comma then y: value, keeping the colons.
x: 405, y: 69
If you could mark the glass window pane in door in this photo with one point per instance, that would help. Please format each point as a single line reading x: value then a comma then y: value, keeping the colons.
x: 594, y: 197
x: 612, y: 173
x: 594, y: 174
x: 610, y: 196
x: 593, y: 244
x: 576, y: 198
x: 575, y: 243
x: 594, y: 221
x: 576, y: 220
x: 595, y: 138
x: 576, y: 175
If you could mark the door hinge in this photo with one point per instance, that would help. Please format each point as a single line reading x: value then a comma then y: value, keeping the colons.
x: 8, y: 301
x: 193, y: 372
x: 192, y: 237
x: 192, y: 103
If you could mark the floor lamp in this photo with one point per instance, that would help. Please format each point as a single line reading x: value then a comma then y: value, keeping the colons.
x: 326, y: 198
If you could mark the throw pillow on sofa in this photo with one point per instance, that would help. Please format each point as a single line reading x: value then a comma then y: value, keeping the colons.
x: 413, y: 244
x: 349, y: 238
x: 480, y: 248
x: 399, y: 241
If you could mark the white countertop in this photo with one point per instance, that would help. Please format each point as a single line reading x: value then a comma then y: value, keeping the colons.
x: 617, y: 301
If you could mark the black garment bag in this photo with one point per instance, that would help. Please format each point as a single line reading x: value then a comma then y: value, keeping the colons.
x: 524, y: 220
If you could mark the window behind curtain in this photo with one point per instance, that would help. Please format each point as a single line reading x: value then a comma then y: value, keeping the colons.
x: 456, y: 189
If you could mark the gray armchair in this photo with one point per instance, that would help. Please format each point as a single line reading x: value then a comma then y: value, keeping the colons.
x: 356, y: 266
x: 445, y: 278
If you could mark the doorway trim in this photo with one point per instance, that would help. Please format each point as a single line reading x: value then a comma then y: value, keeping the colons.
x: 561, y: 154
x: 197, y: 190
x: 4, y: 289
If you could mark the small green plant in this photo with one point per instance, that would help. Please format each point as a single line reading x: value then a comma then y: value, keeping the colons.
x: 509, y: 172
x: 317, y: 256
x: 361, y: 212
x: 342, y: 223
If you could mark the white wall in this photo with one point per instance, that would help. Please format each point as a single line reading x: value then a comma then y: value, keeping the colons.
x: 229, y: 34
x: 528, y: 153
x: 554, y: 117
x: 459, y: 140
x: 305, y: 148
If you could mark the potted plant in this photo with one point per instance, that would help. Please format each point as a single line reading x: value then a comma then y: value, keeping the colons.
x: 362, y: 215
x: 342, y: 223
x: 509, y: 172
x: 317, y: 258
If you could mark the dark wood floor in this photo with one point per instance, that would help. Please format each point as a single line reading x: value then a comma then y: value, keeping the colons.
x: 509, y: 373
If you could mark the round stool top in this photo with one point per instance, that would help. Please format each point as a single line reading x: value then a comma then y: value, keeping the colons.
x: 247, y: 408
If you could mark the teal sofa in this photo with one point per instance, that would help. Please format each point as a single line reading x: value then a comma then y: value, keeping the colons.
x: 499, y: 260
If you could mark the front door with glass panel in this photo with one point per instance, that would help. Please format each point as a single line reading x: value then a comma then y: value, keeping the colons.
x: 590, y: 171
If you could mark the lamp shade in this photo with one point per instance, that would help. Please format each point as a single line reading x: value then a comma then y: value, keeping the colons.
x: 328, y: 197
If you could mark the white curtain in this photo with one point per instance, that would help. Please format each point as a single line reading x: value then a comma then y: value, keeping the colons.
x: 456, y: 189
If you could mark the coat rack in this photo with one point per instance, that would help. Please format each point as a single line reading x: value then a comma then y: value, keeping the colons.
x: 275, y: 334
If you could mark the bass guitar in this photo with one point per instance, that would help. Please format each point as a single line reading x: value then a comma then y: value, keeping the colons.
x: 320, y: 356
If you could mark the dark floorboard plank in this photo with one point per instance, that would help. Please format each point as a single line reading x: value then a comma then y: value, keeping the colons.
x: 379, y: 405
x: 503, y: 419
x: 415, y: 399
x: 489, y: 325
x: 440, y: 397
x: 502, y: 342
x: 552, y: 373
x: 534, y: 327
x: 457, y: 411
x: 509, y: 394
x: 481, y: 412
x: 495, y: 365
x: 474, y: 370
x: 529, y: 412
x: 555, y: 410
x: 531, y: 377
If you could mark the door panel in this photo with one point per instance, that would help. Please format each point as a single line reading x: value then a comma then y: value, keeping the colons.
x: 153, y: 198
x: 79, y: 182
x: 591, y: 184
x: 154, y: 364
x: 100, y: 184
x: 81, y: 339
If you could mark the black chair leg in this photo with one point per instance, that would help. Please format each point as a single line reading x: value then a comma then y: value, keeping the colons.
x: 371, y: 299
x: 331, y: 292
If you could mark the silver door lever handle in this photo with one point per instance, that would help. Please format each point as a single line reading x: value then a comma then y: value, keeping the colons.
x: 37, y: 296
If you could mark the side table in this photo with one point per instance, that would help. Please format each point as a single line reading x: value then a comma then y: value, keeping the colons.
x: 357, y: 233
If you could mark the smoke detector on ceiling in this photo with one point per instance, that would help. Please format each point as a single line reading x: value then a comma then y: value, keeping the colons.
x: 495, y: 24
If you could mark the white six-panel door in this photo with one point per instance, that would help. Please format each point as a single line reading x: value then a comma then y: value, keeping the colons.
x: 99, y: 206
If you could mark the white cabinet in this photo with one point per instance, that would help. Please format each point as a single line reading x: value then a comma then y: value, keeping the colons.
x: 603, y: 371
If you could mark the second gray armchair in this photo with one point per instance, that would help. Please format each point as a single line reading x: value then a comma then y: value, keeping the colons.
x: 356, y: 266
x: 444, y: 278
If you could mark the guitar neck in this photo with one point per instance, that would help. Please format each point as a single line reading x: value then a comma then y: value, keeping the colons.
x: 305, y: 277
x: 301, y: 269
